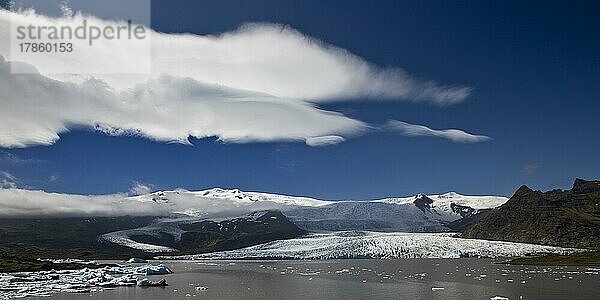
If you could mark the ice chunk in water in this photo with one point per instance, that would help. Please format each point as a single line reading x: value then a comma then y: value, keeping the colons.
x: 154, y: 270
x: 147, y: 282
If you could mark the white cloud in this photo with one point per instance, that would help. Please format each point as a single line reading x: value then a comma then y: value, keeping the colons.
x: 19, y: 203
x: 53, y: 178
x: 454, y: 135
x: 259, y: 83
x: 530, y: 168
x: 269, y: 58
x: 16, y: 202
x: 34, y: 110
x: 139, y: 188
x: 327, y: 140
x: 7, y: 180
x: 7, y: 157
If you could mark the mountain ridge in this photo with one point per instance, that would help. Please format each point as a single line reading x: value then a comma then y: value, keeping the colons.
x: 165, y: 227
x: 567, y: 218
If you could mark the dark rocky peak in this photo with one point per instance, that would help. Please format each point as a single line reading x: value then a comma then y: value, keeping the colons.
x: 420, y: 196
x: 265, y: 215
x: 463, y: 211
x: 160, y: 197
x: 567, y: 218
x: 523, y: 190
x: 423, y: 202
x: 581, y: 186
x: 525, y: 198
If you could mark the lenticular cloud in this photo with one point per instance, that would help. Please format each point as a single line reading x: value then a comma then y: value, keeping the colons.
x: 35, y: 109
x: 261, y: 82
x: 455, y: 135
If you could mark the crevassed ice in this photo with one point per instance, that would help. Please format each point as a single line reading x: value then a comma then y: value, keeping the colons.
x: 381, y: 245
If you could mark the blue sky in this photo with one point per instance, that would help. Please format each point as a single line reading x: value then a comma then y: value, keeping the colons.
x: 534, y: 69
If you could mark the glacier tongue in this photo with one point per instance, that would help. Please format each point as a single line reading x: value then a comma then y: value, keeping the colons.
x: 380, y: 245
x: 420, y: 213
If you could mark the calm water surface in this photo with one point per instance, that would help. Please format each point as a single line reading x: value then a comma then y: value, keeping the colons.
x: 362, y: 279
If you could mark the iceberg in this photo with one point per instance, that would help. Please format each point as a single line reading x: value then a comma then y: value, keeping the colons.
x: 154, y: 270
x: 45, y: 283
x: 135, y: 260
x: 147, y: 282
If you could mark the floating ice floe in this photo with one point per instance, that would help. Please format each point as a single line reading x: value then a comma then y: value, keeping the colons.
x: 46, y: 283
x: 135, y: 260
x: 69, y: 261
x: 380, y: 245
x: 147, y: 282
x: 154, y: 270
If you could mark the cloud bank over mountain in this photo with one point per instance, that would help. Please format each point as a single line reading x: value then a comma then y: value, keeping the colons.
x: 22, y: 203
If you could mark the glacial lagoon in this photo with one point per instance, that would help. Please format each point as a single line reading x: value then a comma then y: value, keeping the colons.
x: 467, y: 278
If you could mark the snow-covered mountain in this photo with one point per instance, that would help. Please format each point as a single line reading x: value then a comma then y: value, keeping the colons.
x: 174, y: 209
x: 420, y: 213
x: 222, y: 203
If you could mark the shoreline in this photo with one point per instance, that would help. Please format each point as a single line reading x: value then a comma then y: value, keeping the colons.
x: 16, y: 265
x: 577, y: 259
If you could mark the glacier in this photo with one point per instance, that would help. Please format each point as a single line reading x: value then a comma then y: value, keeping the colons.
x: 419, y: 213
x: 361, y: 244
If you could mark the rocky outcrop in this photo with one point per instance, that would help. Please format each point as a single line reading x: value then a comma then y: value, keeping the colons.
x: 208, y: 236
x: 423, y: 203
x: 25, y: 240
x: 568, y: 218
